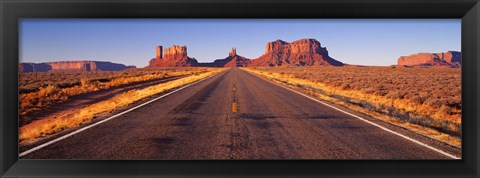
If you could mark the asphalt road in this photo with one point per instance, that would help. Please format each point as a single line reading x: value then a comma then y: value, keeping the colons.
x: 267, y: 122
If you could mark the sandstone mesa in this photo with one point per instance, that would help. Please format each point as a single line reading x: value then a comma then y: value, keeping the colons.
x: 303, y: 52
x: 449, y: 58
x: 72, y: 66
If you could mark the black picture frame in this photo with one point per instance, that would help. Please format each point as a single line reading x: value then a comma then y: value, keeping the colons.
x: 12, y: 11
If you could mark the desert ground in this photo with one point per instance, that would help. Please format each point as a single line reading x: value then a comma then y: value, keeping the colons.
x: 426, y: 100
x: 242, y: 113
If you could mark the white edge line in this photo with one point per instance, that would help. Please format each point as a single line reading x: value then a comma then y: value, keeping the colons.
x: 367, y: 121
x: 104, y: 120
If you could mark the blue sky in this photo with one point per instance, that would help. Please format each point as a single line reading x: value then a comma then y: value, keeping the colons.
x: 133, y: 41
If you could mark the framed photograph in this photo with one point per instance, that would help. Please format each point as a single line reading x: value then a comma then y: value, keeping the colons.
x: 240, y: 88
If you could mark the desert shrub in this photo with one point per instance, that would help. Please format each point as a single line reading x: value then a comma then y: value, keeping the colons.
x: 84, y: 82
x: 434, y: 103
x: 418, y: 99
x: 395, y: 95
x: 46, y: 91
x: 445, y: 110
x: 380, y: 92
x: 369, y: 90
x: 345, y: 86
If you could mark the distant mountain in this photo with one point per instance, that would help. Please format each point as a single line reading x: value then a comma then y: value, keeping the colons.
x: 449, y: 58
x: 303, y: 52
x: 72, y: 66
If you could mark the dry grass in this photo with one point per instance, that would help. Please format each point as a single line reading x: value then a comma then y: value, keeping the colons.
x: 77, y: 117
x: 425, y: 100
x: 39, y: 90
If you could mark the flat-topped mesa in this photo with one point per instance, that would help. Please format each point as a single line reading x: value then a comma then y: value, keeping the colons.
x: 449, y: 58
x: 80, y: 65
x: 309, y: 46
x: 174, y: 56
x: 303, y: 52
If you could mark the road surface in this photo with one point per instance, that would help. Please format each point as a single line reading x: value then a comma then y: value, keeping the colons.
x: 236, y: 115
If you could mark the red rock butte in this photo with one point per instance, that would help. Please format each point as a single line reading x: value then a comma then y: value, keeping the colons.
x: 174, y: 56
x: 233, y: 52
x: 449, y: 58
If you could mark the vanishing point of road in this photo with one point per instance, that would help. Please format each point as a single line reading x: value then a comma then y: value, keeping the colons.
x: 236, y: 115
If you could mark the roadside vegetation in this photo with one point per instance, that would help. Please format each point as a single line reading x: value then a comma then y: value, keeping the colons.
x: 425, y: 100
x: 73, y: 118
x: 40, y: 90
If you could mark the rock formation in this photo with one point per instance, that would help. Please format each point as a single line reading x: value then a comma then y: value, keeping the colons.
x: 159, y: 54
x: 175, y: 56
x: 34, y: 67
x: 233, y: 52
x: 72, y: 66
x: 233, y: 60
x: 304, y: 52
x: 449, y: 58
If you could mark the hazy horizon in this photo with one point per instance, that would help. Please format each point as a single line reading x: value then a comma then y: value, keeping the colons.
x: 133, y: 41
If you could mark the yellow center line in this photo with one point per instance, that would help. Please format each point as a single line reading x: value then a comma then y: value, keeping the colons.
x: 234, y: 102
x: 234, y: 107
